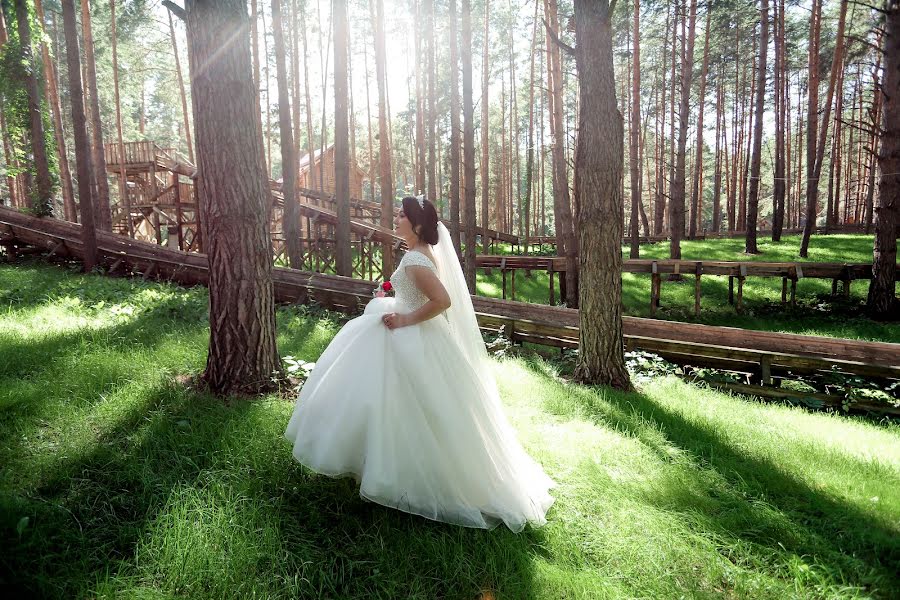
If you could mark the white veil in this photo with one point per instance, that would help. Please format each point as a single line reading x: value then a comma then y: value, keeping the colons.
x: 461, y: 314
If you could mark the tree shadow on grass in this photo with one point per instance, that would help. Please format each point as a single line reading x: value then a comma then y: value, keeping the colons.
x: 137, y: 509
x: 751, y: 499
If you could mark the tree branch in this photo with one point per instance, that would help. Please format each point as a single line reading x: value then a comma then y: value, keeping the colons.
x: 567, y: 48
x: 175, y: 10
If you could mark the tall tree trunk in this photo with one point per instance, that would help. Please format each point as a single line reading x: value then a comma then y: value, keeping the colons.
x: 344, y: 258
x: 781, y: 123
x: 42, y: 196
x: 385, y: 182
x: 56, y: 112
x: 562, y: 203
x: 696, y: 200
x: 753, y: 199
x: 485, y: 165
x: 181, y: 92
x: 454, y: 131
x: 290, y: 221
x: 882, y: 300
x: 123, y: 189
x: 468, y: 144
x: 598, y: 173
x: 421, y: 104
x: 676, y: 209
x: 99, y: 180
x: 812, y: 188
x: 717, y: 177
x: 875, y: 114
x: 315, y: 182
x: 233, y: 191
x: 529, y: 159
x: 635, y: 134
x: 431, y: 111
x: 79, y: 131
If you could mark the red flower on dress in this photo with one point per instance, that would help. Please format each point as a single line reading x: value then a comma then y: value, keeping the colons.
x: 386, y: 286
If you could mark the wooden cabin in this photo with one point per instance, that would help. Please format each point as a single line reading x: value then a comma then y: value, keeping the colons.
x: 357, y: 175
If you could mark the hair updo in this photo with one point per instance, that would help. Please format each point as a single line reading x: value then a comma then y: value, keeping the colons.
x: 424, y: 219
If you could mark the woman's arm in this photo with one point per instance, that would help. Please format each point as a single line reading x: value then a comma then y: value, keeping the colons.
x: 438, y: 299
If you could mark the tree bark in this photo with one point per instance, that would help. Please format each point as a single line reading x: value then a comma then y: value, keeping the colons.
x: 344, y: 258
x: 42, y: 196
x: 781, y: 124
x: 598, y: 172
x: 566, y: 244
x: 755, y: 159
x: 812, y: 188
x: 233, y: 191
x: 431, y: 111
x: 454, y: 131
x: 79, y: 131
x: 634, y: 130
x: 59, y: 135
x: 696, y: 189
x: 290, y: 221
x: 676, y: 205
x: 485, y: 165
x: 882, y: 300
x: 184, y: 108
x: 99, y: 179
x: 386, y: 182
x: 468, y: 144
x: 717, y: 177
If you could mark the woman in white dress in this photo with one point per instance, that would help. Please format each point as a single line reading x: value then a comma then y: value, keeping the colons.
x: 404, y: 401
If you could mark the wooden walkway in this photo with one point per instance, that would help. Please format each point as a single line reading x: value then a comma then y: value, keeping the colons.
x: 764, y: 358
x: 736, y: 271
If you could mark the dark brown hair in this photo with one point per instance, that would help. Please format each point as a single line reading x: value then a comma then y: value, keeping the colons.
x: 423, y: 219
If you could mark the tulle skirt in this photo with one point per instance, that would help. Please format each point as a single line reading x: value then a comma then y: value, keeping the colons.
x: 405, y: 413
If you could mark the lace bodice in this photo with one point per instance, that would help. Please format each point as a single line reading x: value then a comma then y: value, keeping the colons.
x: 405, y: 289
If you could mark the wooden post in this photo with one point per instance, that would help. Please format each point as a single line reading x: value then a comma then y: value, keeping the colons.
x: 731, y: 289
x: 503, y: 271
x: 552, y: 288
x: 698, y: 271
x: 179, y: 216
x: 765, y: 365
x: 740, y: 296
x: 784, y: 281
x: 514, y: 284
x: 655, y: 284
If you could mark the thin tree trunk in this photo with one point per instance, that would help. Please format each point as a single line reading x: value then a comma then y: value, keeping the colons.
x: 485, y: 165
x: 633, y: 159
x: 42, y: 198
x: 58, y: 132
x: 290, y: 221
x: 431, y: 111
x: 314, y: 181
x: 468, y: 144
x: 598, y: 173
x: 79, y: 131
x: 184, y: 108
x: 781, y: 124
x: 233, y: 192
x: 698, y: 162
x: 717, y: 177
x: 123, y: 189
x: 454, y: 131
x: 385, y: 182
x: 753, y: 199
x: 529, y: 159
x: 676, y: 210
x: 344, y: 258
x: 875, y: 113
x: 812, y: 187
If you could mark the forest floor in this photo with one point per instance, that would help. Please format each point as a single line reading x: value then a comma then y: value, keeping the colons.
x: 816, y: 312
x: 119, y: 482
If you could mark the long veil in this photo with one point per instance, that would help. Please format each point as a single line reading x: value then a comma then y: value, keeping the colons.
x: 461, y: 314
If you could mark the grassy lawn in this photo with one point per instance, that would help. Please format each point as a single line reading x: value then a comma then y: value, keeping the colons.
x: 117, y: 482
x: 816, y: 312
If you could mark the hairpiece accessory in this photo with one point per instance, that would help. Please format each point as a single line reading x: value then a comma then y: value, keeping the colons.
x: 421, y: 199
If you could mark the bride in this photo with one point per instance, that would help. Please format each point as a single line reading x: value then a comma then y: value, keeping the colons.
x: 404, y: 401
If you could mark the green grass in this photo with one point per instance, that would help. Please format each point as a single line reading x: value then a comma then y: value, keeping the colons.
x: 117, y: 482
x: 817, y: 313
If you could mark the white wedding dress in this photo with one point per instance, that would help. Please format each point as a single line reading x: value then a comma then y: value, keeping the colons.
x: 414, y: 414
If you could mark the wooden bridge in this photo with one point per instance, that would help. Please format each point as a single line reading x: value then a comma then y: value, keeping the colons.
x: 764, y: 359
